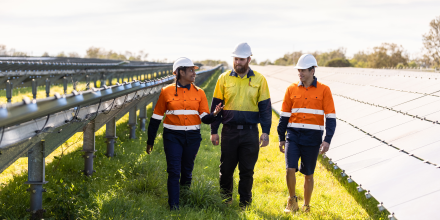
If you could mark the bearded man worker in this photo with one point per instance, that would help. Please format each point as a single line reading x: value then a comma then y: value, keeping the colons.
x: 305, y: 105
x: 246, y: 99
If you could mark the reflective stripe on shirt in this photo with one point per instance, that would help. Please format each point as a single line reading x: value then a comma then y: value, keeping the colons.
x: 305, y: 126
x: 286, y: 114
x: 182, y: 112
x: 203, y: 115
x: 308, y: 111
x: 182, y: 127
x: 158, y: 117
x: 330, y: 116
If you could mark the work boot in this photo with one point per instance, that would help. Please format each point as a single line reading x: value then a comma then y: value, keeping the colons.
x: 228, y: 202
x: 292, y: 205
x: 306, y: 208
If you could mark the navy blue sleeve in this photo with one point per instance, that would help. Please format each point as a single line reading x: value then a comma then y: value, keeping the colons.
x: 153, y: 126
x: 282, y: 127
x: 330, y: 127
x: 209, y: 118
x: 265, y: 109
x: 218, y: 119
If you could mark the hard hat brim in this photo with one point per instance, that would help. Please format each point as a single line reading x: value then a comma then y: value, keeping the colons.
x: 303, y: 67
x: 195, y: 67
x: 240, y: 56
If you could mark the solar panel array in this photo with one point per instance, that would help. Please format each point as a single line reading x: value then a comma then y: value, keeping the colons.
x: 387, y: 137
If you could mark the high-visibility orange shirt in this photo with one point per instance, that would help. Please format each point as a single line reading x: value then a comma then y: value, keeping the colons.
x: 303, y: 111
x: 183, y: 112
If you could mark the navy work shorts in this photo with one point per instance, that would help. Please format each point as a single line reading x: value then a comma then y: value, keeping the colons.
x: 308, y: 155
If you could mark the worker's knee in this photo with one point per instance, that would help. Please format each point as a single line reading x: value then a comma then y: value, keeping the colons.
x: 308, y: 178
x: 290, y: 171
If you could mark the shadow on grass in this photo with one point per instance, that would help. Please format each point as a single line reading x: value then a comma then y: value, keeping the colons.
x: 370, y: 205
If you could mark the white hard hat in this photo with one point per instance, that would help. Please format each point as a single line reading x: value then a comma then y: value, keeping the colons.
x: 306, y: 61
x: 242, y: 50
x: 183, y: 61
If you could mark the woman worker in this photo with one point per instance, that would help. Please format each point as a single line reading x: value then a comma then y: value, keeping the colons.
x: 185, y: 106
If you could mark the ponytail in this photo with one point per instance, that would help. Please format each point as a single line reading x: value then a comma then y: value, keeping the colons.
x: 178, y: 76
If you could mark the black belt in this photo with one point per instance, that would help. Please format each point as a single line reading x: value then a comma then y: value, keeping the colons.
x: 241, y: 127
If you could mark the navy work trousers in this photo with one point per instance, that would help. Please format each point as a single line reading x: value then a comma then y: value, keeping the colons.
x: 238, y: 146
x: 180, y: 164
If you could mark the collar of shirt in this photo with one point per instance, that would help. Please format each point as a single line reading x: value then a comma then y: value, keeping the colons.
x: 180, y: 85
x: 314, y: 83
x: 249, y: 74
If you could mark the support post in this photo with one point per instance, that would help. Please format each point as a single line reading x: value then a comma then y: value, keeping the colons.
x: 94, y: 82
x: 89, y: 147
x: 9, y: 91
x: 103, y: 83
x: 34, y: 89
x: 110, y: 134
x: 65, y: 85
x: 74, y: 82
x: 87, y: 82
x: 132, y: 122
x: 143, y: 116
x: 47, y: 87
x: 36, y: 179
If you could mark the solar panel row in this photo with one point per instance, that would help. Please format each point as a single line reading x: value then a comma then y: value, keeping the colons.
x: 387, y: 133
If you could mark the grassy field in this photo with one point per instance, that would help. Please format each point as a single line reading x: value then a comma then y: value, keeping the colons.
x: 132, y: 185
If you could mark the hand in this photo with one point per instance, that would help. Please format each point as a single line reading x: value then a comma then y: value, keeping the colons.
x: 282, y: 146
x: 218, y: 108
x: 324, y: 147
x: 214, y: 139
x: 149, y: 148
x: 264, y: 140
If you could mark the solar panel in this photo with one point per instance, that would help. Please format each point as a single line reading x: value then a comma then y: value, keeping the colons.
x: 368, y: 138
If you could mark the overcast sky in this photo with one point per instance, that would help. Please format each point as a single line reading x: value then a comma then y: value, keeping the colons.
x: 210, y: 29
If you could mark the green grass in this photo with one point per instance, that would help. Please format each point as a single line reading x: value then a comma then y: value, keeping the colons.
x: 132, y: 185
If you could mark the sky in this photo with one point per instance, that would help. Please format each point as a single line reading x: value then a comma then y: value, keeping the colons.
x: 205, y: 29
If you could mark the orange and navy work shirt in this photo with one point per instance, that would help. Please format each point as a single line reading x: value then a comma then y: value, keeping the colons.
x: 183, y: 113
x: 304, y: 112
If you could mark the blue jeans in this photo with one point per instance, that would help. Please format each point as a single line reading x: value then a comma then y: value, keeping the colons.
x: 180, y: 164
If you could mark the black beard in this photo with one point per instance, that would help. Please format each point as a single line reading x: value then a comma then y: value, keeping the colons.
x: 241, y: 69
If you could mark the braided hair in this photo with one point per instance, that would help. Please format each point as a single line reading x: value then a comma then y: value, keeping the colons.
x: 183, y: 68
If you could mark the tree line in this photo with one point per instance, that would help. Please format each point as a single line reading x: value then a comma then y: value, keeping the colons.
x: 386, y: 55
x: 91, y: 52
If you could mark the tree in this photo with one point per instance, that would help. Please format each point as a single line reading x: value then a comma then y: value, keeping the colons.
x: 61, y: 54
x: 338, y: 62
x: 73, y: 54
x: 431, y: 42
x: 96, y: 52
x: 387, y: 55
x: 288, y: 58
x: 360, y: 59
x: 11, y: 52
x: 45, y: 54
x: 93, y: 52
x: 266, y: 62
x: 323, y: 58
x: 2, y: 50
x: 212, y: 62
